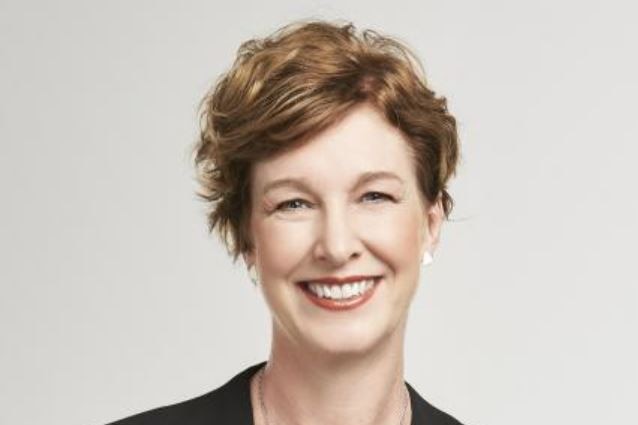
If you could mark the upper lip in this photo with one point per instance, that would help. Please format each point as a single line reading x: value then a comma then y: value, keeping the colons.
x: 338, y: 280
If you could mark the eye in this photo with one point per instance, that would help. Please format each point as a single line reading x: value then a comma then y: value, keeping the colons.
x: 298, y: 203
x: 378, y: 195
x: 290, y: 204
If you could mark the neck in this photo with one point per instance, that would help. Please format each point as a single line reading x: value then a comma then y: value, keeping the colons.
x: 312, y: 388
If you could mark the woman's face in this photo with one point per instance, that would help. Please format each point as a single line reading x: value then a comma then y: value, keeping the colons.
x: 343, y: 205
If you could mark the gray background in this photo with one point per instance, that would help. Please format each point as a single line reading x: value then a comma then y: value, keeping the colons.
x: 114, y: 299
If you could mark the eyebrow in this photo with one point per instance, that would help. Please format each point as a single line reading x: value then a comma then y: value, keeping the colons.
x: 302, y: 183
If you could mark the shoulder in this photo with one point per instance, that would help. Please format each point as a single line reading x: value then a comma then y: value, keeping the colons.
x: 228, y: 404
x: 424, y: 413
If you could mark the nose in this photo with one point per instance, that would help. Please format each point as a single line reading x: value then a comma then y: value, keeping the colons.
x: 338, y: 241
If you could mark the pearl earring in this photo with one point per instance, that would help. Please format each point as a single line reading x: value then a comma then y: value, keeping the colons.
x: 427, y: 258
x: 252, y: 273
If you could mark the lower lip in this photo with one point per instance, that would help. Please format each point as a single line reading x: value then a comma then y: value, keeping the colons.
x: 334, y: 305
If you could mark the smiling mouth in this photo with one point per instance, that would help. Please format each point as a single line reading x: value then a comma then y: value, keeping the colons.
x: 345, y: 296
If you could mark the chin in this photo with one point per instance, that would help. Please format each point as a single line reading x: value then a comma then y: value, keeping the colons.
x: 345, y: 340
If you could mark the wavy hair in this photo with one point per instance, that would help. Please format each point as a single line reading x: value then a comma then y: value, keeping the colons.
x: 287, y: 87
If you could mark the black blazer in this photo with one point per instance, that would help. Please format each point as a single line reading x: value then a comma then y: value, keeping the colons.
x: 230, y: 405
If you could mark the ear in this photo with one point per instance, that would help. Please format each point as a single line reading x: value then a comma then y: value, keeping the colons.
x: 434, y: 221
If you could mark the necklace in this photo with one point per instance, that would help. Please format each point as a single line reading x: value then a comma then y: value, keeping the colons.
x: 263, y: 405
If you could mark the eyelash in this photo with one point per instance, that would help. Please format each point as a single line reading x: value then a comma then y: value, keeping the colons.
x: 282, y: 205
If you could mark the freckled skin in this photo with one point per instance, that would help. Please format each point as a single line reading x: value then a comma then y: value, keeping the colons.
x: 338, y: 230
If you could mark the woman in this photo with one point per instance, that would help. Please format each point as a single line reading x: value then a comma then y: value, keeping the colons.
x: 325, y: 158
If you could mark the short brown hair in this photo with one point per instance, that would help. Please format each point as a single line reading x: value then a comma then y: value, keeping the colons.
x: 287, y: 87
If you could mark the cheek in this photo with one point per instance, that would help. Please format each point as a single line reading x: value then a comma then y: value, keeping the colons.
x: 282, y: 245
x: 394, y: 235
x: 396, y: 238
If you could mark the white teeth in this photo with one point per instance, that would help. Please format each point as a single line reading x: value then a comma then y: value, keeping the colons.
x: 335, y: 292
x: 346, y: 290
x: 339, y: 292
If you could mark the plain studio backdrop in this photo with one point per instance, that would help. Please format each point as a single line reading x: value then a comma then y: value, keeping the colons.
x: 114, y: 299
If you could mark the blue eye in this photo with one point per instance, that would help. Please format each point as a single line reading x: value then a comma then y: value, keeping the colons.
x: 379, y: 196
x: 298, y: 203
x: 288, y: 205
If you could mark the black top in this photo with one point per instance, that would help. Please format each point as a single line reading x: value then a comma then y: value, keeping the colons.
x: 230, y: 404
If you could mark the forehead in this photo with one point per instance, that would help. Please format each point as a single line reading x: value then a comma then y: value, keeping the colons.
x: 362, y: 141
